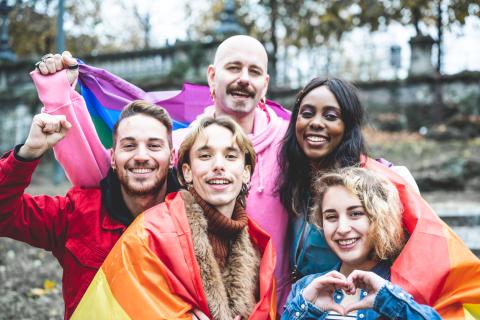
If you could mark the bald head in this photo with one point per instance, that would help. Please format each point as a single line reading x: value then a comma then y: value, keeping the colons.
x: 243, y: 46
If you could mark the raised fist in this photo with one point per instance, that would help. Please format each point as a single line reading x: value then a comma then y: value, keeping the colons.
x: 51, y: 63
x: 45, y: 132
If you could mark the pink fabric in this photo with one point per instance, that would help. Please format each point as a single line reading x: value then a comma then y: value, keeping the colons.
x: 82, y: 155
x: 263, y: 205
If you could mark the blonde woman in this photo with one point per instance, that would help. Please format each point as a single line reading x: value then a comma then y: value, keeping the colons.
x: 360, y: 214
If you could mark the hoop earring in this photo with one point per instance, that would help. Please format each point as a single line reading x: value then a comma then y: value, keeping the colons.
x: 263, y: 100
x: 212, y: 94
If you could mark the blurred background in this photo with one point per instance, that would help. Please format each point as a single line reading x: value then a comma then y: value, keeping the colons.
x: 416, y: 64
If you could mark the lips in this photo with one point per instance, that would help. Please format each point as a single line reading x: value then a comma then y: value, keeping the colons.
x: 316, y: 139
x: 243, y: 93
x: 347, y: 243
x: 218, y: 181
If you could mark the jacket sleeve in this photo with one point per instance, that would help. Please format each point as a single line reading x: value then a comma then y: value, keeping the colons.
x: 393, y: 302
x: 299, y: 308
x: 81, y: 148
x: 40, y: 221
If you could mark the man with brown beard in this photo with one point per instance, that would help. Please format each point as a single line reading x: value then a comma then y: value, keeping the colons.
x: 81, y: 227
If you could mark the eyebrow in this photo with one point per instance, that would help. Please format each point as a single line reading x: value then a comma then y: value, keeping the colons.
x: 160, y: 140
x: 348, y: 209
x: 206, y: 147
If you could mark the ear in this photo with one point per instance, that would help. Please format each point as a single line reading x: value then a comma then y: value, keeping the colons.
x: 211, y: 76
x: 246, y: 174
x: 265, y: 89
x: 172, y: 158
x: 187, y: 173
x: 112, y: 160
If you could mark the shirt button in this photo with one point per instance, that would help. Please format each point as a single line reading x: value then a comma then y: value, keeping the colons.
x: 364, y: 293
x: 297, y: 314
x: 339, y: 297
x: 302, y: 306
x: 401, y: 295
x: 361, y: 315
x: 390, y: 286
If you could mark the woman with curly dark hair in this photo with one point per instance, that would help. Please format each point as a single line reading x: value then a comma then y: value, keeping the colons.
x: 324, y: 134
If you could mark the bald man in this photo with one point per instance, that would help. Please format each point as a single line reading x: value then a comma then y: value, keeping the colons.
x: 238, y: 81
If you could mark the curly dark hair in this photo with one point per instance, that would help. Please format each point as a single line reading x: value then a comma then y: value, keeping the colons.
x: 294, y: 181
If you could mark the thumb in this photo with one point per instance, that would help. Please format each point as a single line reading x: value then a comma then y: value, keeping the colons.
x: 69, y: 61
x: 362, y: 304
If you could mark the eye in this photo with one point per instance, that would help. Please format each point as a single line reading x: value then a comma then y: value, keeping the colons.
x: 256, y: 72
x: 128, y: 146
x: 306, y: 113
x: 233, y: 68
x: 331, y: 116
x: 330, y: 217
x: 204, y: 156
x: 155, y: 146
x: 231, y: 156
x: 357, y: 213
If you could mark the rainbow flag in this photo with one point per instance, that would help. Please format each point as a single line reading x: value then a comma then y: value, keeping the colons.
x: 106, y: 94
x: 152, y: 271
x: 435, y: 266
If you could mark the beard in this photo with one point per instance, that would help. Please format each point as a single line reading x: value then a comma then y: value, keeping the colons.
x: 150, y: 187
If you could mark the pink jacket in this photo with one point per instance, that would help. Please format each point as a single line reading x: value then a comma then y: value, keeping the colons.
x: 86, y: 161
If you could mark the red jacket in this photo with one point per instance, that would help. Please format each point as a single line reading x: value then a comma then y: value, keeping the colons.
x: 76, y: 228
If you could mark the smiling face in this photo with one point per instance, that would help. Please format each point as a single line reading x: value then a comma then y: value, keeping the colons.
x: 217, y: 168
x: 319, y: 127
x: 238, y: 76
x: 346, y: 226
x: 141, y: 155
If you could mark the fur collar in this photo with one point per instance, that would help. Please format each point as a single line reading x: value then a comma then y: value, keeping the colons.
x: 231, y: 292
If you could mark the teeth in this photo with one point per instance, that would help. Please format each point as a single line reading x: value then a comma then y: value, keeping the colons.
x: 141, y: 170
x: 218, y: 181
x: 241, y: 93
x: 347, y: 242
x: 316, y: 139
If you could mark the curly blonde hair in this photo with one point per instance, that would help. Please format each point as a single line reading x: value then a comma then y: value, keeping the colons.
x: 379, y: 198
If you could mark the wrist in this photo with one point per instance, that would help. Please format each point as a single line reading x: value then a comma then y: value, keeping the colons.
x: 28, y: 153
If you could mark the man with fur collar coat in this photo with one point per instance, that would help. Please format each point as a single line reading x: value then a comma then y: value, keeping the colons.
x: 197, y: 254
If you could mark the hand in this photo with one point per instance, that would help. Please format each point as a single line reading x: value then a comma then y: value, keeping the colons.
x: 320, y: 291
x: 198, y: 315
x: 368, y: 281
x: 45, y: 132
x: 52, y: 63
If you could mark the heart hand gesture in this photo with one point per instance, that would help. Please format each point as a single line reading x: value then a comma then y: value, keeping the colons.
x: 369, y: 282
x: 320, y: 291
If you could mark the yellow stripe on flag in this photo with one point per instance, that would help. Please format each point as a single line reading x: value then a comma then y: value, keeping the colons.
x: 99, y: 294
x: 472, y: 311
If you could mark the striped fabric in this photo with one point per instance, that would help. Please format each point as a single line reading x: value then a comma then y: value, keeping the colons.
x: 435, y: 266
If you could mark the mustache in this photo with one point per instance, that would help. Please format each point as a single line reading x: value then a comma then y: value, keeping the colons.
x: 241, y: 89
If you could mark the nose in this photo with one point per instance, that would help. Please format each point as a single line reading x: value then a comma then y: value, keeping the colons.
x: 317, y: 123
x: 343, y: 226
x: 218, y: 163
x: 141, y: 154
x: 244, y: 76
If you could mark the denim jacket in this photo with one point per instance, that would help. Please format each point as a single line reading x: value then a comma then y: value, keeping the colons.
x: 310, y: 253
x: 391, y: 302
